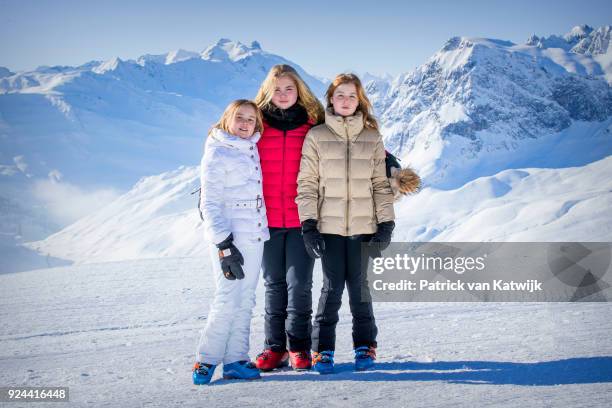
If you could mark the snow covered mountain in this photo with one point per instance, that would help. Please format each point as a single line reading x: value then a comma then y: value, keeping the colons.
x: 158, y: 217
x: 73, y: 138
x: 479, y: 106
x: 107, y: 122
x: 580, y: 39
x: 488, y: 124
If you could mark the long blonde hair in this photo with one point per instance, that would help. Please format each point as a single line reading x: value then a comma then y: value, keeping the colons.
x: 365, y: 107
x: 230, y: 112
x: 305, y: 96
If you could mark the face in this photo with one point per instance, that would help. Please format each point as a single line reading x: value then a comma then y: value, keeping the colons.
x: 244, y: 121
x: 285, y: 93
x: 345, y: 99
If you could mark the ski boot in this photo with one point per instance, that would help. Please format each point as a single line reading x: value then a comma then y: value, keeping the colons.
x: 268, y: 360
x: 240, y: 370
x: 300, y: 360
x: 202, y: 373
x: 323, y: 362
x: 364, y: 358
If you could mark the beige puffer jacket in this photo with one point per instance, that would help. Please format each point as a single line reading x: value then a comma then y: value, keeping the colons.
x: 342, y: 181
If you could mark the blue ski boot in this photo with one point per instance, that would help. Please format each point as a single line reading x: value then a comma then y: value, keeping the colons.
x: 202, y: 373
x: 364, y: 358
x: 241, y: 370
x: 323, y: 362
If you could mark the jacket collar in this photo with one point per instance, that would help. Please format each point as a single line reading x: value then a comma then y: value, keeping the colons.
x: 221, y: 137
x: 285, y: 119
x: 340, y: 125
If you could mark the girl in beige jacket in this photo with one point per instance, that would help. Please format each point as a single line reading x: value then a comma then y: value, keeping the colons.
x: 344, y: 199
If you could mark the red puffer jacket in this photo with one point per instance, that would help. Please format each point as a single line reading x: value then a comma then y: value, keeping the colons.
x: 280, y: 153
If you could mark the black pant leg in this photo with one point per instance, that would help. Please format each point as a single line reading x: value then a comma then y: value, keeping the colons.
x: 364, y: 325
x: 334, y: 271
x: 274, y: 274
x: 299, y: 287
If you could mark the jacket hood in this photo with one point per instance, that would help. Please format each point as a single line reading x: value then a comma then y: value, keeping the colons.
x: 354, y: 124
x: 222, y: 138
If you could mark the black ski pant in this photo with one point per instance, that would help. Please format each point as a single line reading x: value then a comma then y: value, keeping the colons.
x: 342, y: 264
x: 287, y: 272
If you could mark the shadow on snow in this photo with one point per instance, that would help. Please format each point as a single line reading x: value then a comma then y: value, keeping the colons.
x: 582, y: 370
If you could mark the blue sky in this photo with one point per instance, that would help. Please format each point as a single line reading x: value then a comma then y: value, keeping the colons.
x: 324, y: 37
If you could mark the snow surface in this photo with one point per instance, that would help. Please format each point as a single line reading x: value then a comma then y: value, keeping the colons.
x: 125, y: 334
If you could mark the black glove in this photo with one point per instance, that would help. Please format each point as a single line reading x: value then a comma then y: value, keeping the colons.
x: 382, y: 238
x: 390, y: 162
x: 313, y: 240
x: 231, y: 259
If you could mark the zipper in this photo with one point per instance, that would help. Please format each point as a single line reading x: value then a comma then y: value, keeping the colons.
x: 283, y: 180
x: 348, y: 169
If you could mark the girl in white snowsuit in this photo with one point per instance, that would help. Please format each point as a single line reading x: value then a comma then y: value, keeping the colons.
x: 235, y: 221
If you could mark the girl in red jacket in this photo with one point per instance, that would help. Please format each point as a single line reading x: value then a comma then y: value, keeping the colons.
x: 289, y: 109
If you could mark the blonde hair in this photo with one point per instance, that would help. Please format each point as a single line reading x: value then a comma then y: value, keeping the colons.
x: 305, y: 96
x: 365, y: 107
x: 230, y: 112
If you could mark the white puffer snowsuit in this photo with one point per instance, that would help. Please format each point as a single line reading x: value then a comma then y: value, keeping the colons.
x: 232, y: 202
x: 232, y: 193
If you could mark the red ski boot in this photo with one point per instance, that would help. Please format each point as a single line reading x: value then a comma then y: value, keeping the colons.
x: 300, y: 360
x: 269, y: 360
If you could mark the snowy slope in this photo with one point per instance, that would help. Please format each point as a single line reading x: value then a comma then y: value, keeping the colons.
x: 124, y: 335
x: 482, y: 100
x: 158, y: 216
x: 532, y: 204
